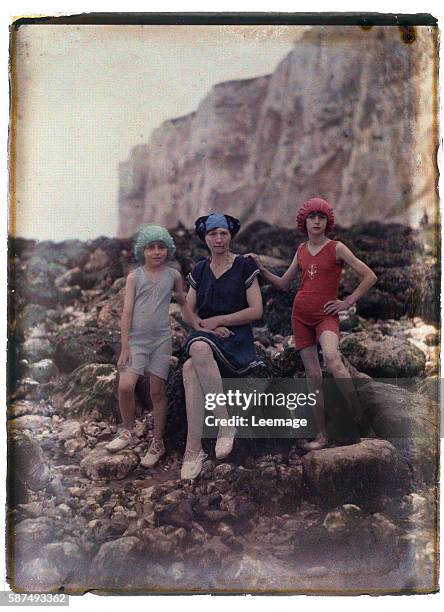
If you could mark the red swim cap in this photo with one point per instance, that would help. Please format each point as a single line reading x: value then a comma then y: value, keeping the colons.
x: 315, y: 205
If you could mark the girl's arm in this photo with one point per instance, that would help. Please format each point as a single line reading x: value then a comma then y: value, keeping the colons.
x: 127, y: 315
x: 281, y: 282
x: 367, y: 275
x: 187, y: 306
x: 242, y: 317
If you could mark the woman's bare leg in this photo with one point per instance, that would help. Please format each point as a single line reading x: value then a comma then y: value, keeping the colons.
x: 195, y: 407
x: 210, y: 380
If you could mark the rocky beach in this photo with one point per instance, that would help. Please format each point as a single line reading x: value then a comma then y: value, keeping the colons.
x: 361, y: 518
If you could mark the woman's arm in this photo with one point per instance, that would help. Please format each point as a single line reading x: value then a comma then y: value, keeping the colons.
x: 127, y: 315
x: 242, y: 317
x: 367, y: 275
x: 188, y: 313
x: 280, y: 282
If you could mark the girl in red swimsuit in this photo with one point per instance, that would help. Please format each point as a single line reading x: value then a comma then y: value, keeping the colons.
x: 314, y: 316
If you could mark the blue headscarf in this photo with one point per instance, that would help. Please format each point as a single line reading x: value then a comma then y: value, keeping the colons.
x: 204, y: 224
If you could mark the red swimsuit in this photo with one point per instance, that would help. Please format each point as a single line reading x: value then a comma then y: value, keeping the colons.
x: 319, y: 284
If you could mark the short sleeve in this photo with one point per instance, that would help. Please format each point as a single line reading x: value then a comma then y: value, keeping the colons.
x: 194, y: 277
x: 250, y: 271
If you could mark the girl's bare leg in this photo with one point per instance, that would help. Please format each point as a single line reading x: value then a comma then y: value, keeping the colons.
x: 160, y: 406
x: 313, y: 373
x: 127, y: 406
x: 329, y: 342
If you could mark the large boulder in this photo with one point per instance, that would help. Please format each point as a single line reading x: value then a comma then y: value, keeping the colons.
x: 410, y: 421
x: 351, y: 474
x: 383, y: 357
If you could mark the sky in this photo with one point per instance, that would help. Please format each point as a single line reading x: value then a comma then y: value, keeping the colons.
x: 87, y: 94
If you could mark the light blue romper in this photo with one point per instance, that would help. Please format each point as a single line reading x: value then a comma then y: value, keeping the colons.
x: 150, y: 331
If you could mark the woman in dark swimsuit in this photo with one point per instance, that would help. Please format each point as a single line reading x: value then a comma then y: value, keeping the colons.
x: 225, y: 294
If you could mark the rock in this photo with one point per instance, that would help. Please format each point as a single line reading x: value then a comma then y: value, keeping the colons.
x: 36, y: 349
x: 43, y: 371
x: 158, y: 544
x: 38, y: 576
x: 383, y: 357
x: 89, y: 389
x: 30, y: 421
x: 79, y: 346
x: 23, y: 407
x: 277, y: 309
x: 110, y: 310
x: 73, y: 446
x: 116, y: 561
x: 64, y: 555
x: 30, y: 316
x: 222, y: 470
x: 100, y: 464
x: 352, y: 473
x: 32, y: 510
x: 98, y: 260
x: 69, y: 278
x: 29, y: 469
x: 68, y: 295
x: 31, y: 535
x: 350, y: 322
x: 101, y: 530
x: 70, y: 429
x: 287, y: 363
x: 179, y: 514
x: 430, y: 387
x: 409, y: 420
x: 40, y: 290
x: 432, y: 339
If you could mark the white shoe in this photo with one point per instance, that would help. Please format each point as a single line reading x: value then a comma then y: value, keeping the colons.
x: 225, y: 441
x: 123, y: 440
x: 154, y: 453
x: 191, y: 468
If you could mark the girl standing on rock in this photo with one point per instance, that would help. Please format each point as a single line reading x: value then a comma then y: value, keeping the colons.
x: 225, y: 294
x: 316, y: 305
x: 146, y: 334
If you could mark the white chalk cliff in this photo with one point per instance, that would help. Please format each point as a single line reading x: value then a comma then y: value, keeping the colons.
x: 348, y: 115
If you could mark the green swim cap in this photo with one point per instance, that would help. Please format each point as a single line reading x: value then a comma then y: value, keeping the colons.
x: 153, y: 233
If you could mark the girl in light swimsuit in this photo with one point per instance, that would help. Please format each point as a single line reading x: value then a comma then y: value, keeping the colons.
x: 146, y: 334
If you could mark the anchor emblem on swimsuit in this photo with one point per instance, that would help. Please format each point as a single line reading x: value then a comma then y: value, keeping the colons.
x: 312, y: 271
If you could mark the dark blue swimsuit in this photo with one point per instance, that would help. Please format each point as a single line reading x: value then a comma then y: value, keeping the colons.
x: 227, y: 294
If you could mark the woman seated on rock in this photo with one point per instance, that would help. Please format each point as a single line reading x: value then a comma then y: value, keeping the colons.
x: 225, y: 294
x: 315, y: 317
